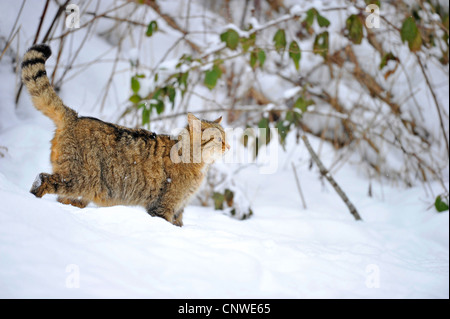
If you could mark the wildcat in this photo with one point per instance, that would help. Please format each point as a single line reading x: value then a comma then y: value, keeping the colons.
x: 108, y: 164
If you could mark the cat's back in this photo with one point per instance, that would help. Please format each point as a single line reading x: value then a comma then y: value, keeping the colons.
x: 99, y: 136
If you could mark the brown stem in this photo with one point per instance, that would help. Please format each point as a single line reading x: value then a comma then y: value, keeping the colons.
x: 324, y: 172
x: 171, y: 22
x: 36, y: 37
x: 297, y: 180
x: 436, y: 103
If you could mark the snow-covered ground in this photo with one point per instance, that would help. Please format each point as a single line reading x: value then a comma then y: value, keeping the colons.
x: 400, y: 250
x: 47, y: 249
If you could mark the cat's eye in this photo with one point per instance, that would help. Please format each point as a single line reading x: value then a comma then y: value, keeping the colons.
x: 219, y: 139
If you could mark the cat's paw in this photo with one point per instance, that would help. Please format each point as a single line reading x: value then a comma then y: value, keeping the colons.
x: 178, y: 222
x: 178, y: 219
x: 36, y: 188
x: 80, y: 203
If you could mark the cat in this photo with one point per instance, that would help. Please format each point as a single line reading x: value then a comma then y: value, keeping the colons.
x: 108, y: 164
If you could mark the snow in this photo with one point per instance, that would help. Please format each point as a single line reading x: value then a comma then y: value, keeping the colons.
x: 37, y: 182
x: 47, y: 249
x: 133, y: 55
x: 289, y: 94
x: 296, y: 10
x: 281, y: 252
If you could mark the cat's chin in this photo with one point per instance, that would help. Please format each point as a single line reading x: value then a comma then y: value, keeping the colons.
x: 209, y: 157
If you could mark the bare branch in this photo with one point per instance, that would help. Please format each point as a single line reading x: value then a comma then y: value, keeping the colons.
x: 324, y: 172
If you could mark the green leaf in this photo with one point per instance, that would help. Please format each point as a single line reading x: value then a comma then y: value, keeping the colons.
x: 257, y: 55
x: 264, y: 124
x: 377, y: 2
x: 410, y: 33
x: 261, y: 57
x: 290, y: 116
x: 135, y: 85
x: 152, y: 27
x: 280, y: 40
x: 157, y: 93
x: 253, y: 59
x: 295, y: 53
x: 247, y: 43
x: 355, y: 28
x: 212, y: 76
x: 322, y: 21
x: 218, y: 200
x: 386, y: 58
x: 302, y: 104
x: 171, y: 94
x: 159, y: 106
x: 145, y: 116
x: 440, y: 205
x: 309, y: 20
x: 282, y: 132
x: 135, y: 99
x: 321, y: 44
x: 293, y: 117
x: 231, y: 38
x: 182, y: 81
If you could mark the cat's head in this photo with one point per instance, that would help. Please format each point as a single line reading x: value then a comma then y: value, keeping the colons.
x: 210, y: 135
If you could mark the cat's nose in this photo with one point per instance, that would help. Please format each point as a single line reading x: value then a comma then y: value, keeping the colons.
x: 228, y: 146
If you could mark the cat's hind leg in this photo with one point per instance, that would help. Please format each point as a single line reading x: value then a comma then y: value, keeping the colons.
x: 54, y: 184
x: 165, y: 212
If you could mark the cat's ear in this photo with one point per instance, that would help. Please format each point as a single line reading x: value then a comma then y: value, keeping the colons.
x: 219, y: 120
x: 191, y: 120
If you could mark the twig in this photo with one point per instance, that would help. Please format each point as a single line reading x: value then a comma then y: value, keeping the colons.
x: 41, y: 21
x: 9, y: 43
x: 298, y: 186
x: 89, y: 22
x: 12, y: 34
x: 55, y: 19
x: 330, y: 179
x: 244, y: 13
x: 58, y: 58
x: 113, y: 71
x: 171, y: 22
x: 80, y: 46
x: 36, y: 37
x: 438, y: 108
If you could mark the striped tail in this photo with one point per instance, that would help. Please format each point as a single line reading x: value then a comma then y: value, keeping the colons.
x: 42, y: 93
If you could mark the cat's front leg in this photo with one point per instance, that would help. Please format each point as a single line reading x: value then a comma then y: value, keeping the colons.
x: 53, y: 184
x: 178, y: 218
x: 167, y: 213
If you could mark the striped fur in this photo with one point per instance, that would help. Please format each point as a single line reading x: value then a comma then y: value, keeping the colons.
x: 42, y: 93
x: 108, y: 164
